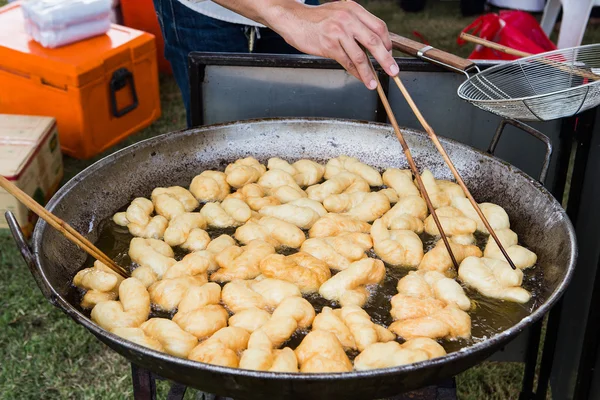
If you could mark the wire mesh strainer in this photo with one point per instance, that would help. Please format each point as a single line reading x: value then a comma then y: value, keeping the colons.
x: 540, y: 87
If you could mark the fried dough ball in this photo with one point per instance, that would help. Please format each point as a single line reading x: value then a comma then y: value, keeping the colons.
x: 396, y: 247
x: 154, y: 258
x: 448, y: 322
x: 167, y: 293
x: 200, y: 262
x: 390, y: 194
x: 304, y: 172
x: 339, y: 251
x: 360, y: 205
x: 172, y: 201
x: 440, y: 192
x: 241, y: 262
x: 255, y: 196
x: 495, y: 215
x: 223, y: 348
x: 243, y: 172
x: 138, y: 219
x: 302, y: 212
x: 493, y: 278
x: 301, y: 269
x: 401, y: 180
x: 321, y: 351
x: 344, y: 182
x: 202, y: 322
x: 265, y: 294
x: 408, y: 214
x: 519, y: 255
x: 454, y: 222
x: 160, y: 334
x: 260, y: 356
x: 352, y: 326
x: 348, y: 287
x: 250, y: 319
x: 231, y: 212
x: 393, y: 354
x: 438, y: 258
x: 132, y: 308
x: 199, y: 312
x: 422, y: 293
x: 100, y: 283
x: 181, y: 227
x: 291, y: 314
x: 281, y: 185
x: 336, y: 224
x: 210, y: 186
x: 340, y: 164
x: 271, y: 230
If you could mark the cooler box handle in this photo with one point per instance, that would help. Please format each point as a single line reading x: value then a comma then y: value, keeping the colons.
x: 120, y: 79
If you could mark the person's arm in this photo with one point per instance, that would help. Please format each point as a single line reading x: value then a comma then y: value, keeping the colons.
x: 332, y: 30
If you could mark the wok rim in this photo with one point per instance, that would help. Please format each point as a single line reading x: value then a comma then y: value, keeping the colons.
x: 494, y: 341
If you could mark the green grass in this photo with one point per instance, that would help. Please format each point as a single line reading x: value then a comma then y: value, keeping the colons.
x: 45, y: 355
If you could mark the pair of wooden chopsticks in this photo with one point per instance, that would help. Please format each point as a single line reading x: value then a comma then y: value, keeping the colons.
x: 416, y: 173
x: 61, y: 226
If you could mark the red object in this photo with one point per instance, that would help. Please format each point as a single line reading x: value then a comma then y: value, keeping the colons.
x: 140, y: 14
x: 516, y: 29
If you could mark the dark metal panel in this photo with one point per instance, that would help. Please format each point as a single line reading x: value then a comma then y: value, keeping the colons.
x: 576, y: 302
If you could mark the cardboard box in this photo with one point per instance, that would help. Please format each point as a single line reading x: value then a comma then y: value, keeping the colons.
x: 30, y: 157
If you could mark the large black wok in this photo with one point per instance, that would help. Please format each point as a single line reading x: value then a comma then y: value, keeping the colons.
x: 175, y: 158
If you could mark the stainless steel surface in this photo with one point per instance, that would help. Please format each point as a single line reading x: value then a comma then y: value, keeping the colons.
x: 173, y: 159
x: 541, y: 87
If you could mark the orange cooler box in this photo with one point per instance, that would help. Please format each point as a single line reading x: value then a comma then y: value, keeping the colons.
x: 100, y: 90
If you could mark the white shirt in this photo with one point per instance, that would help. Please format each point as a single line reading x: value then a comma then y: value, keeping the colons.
x: 213, y: 10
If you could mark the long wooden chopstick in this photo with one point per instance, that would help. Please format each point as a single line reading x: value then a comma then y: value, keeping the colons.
x: 411, y: 163
x: 459, y: 180
x: 61, y: 226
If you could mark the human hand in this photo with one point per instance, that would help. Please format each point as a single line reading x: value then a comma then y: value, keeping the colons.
x: 336, y: 30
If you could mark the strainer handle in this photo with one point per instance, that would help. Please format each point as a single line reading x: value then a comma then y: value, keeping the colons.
x: 431, y: 54
x: 533, y: 132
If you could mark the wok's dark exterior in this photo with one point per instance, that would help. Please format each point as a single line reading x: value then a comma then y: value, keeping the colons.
x: 175, y: 158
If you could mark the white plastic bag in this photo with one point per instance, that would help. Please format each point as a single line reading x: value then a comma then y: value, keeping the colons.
x: 55, y: 23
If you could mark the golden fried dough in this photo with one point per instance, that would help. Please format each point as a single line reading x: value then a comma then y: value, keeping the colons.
x: 339, y: 251
x: 454, y: 222
x: 138, y: 219
x: 265, y: 294
x: 401, y: 180
x: 210, y: 186
x: 352, y: 326
x: 261, y: 356
x: 241, y: 262
x: 181, y: 227
x: 154, y: 258
x: 340, y: 164
x: 396, y: 247
x: 348, y: 287
x: 438, y: 259
x: 363, y: 206
x: 519, y: 255
x: 301, y: 269
x: 271, y: 230
x: 302, y: 212
x: 336, y: 224
x: 321, y: 351
x: 100, y: 283
x: 223, y: 348
x: 495, y: 215
x: 255, y: 196
x: 441, y: 193
x: 172, y: 201
x: 493, y: 278
x: 244, y: 171
x: 281, y: 185
x: 304, y: 172
x: 344, y: 182
x: 231, y: 212
x: 130, y: 311
x: 393, y: 354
